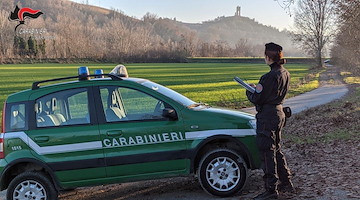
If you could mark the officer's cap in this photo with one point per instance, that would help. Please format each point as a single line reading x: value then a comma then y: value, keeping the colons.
x: 273, y: 47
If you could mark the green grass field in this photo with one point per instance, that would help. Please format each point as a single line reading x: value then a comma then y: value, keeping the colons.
x: 210, y: 83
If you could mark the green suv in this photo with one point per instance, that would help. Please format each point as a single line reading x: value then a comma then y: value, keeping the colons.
x: 109, y: 128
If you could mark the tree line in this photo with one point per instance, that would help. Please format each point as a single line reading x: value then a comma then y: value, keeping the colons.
x: 71, y: 31
x: 346, y: 49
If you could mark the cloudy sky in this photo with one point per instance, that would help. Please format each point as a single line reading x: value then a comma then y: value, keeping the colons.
x: 267, y: 12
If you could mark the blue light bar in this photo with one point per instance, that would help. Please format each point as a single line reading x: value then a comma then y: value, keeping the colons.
x: 99, y: 72
x: 84, y: 73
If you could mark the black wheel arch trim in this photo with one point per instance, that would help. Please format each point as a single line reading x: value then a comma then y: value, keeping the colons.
x: 29, y: 160
x: 220, y: 137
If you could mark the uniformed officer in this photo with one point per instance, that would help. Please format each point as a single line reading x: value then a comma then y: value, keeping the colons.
x: 268, y: 98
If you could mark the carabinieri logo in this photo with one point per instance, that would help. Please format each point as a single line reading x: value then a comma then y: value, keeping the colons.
x: 22, y: 14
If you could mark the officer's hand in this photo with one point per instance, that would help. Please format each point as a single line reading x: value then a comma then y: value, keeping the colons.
x: 252, y: 85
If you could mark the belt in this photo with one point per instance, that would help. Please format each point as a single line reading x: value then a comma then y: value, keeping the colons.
x: 260, y: 108
x: 272, y: 106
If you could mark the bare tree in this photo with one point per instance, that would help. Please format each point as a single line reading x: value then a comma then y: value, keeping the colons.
x: 242, y: 48
x: 286, y: 5
x: 6, y: 35
x: 150, y: 18
x: 346, y: 50
x: 314, y: 26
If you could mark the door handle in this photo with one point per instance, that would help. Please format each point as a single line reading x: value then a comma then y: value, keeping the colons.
x: 42, y: 139
x: 114, y: 133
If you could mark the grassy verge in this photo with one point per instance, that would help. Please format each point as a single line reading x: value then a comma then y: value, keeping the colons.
x: 336, y: 121
x: 305, y: 84
x: 350, y: 78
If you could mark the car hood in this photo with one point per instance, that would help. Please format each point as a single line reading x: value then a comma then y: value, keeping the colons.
x: 207, y: 118
x: 235, y: 113
x: 225, y: 112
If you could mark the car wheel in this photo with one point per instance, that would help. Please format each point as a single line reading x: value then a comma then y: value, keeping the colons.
x: 31, y: 185
x: 222, y: 172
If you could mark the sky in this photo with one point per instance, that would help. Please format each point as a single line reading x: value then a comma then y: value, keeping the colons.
x: 267, y: 12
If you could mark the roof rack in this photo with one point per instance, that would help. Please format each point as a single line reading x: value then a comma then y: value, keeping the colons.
x: 35, y: 85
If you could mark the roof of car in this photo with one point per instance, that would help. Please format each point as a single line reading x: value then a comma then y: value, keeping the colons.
x: 25, y: 94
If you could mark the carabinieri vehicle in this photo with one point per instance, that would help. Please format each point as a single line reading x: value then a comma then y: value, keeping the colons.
x: 97, y: 130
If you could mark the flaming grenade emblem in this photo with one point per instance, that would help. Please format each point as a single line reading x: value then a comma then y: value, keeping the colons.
x: 22, y: 14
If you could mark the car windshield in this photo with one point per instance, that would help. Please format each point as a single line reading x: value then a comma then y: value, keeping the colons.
x: 169, y: 93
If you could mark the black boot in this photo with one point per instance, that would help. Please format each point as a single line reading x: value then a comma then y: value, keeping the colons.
x: 267, y: 195
x: 287, y: 188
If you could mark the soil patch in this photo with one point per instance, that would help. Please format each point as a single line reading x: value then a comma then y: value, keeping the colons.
x: 322, y: 146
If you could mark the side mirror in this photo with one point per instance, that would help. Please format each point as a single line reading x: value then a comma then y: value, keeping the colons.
x: 170, y: 113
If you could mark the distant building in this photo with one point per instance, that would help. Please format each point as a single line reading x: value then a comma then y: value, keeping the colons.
x: 237, y: 13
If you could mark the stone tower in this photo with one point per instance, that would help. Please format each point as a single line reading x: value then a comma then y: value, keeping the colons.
x: 238, y: 11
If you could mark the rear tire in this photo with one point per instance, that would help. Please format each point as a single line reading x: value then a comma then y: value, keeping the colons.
x: 222, y: 172
x: 31, y: 185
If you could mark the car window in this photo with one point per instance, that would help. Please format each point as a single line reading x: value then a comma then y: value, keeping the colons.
x: 62, y: 108
x: 17, y: 117
x: 169, y: 93
x: 78, y: 105
x: 125, y: 104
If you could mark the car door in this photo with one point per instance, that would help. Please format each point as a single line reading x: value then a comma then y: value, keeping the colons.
x: 66, y: 135
x: 137, y: 139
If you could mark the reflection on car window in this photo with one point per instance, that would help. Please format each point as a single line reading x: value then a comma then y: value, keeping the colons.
x: 169, y: 93
x: 124, y: 104
x: 67, y: 107
x: 17, y: 117
x: 112, y: 105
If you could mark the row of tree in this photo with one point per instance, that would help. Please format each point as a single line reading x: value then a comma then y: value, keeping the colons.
x: 68, y: 30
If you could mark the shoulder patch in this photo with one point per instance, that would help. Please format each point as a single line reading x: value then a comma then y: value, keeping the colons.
x: 259, y: 88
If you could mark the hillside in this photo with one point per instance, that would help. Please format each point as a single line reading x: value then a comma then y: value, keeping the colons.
x: 235, y: 28
x: 72, y: 31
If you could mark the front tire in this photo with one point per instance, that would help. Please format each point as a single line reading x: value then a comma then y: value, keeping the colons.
x: 31, y: 185
x: 222, y: 172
